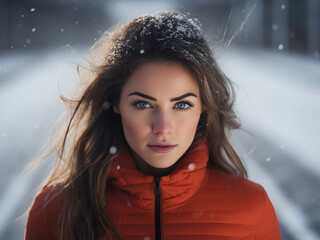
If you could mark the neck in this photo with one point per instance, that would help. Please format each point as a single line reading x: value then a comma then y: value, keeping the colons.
x: 149, y: 170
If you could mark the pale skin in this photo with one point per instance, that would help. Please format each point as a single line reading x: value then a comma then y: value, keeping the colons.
x: 160, y: 108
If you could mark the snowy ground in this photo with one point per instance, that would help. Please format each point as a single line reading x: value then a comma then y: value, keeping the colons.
x: 279, y: 98
x: 278, y: 102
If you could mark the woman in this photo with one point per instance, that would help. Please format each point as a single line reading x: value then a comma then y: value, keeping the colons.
x: 145, y: 154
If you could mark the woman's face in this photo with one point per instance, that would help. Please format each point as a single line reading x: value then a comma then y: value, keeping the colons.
x: 160, y: 108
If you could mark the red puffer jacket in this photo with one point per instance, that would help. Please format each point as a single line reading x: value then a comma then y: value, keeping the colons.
x: 193, y: 202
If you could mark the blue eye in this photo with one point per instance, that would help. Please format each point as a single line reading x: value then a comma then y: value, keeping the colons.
x: 183, y: 105
x: 141, y: 105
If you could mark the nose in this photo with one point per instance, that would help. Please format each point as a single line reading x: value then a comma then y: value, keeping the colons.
x: 162, y: 123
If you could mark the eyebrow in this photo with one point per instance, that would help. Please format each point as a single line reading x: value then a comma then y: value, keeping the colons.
x: 154, y: 99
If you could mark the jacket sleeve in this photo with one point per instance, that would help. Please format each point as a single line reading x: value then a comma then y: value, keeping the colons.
x: 269, y: 225
x: 42, y: 222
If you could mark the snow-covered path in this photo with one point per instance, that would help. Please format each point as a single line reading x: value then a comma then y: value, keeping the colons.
x: 279, y: 97
x: 278, y: 101
x: 29, y: 106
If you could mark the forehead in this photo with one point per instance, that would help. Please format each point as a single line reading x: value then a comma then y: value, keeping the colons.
x: 161, y: 79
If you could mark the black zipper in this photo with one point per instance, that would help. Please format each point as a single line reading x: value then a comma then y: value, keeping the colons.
x: 157, y: 208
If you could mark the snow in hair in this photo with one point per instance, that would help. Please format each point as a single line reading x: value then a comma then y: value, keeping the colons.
x: 161, y: 30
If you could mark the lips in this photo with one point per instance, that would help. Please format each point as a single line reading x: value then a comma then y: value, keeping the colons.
x: 162, y: 147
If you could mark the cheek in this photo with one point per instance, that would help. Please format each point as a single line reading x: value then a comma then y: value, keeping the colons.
x: 133, y: 127
x: 190, y: 124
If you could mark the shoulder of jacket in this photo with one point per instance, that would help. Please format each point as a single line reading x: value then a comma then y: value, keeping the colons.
x: 51, y: 193
x: 42, y: 222
x: 49, y: 200
x: 236, y: 184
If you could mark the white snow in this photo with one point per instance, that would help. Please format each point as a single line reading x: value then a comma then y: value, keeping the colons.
x: 191, y: 166
x: 280, y: 47
x: 113, y: 150
x: 29, y: 103
x: 275, y: 27
x: 106, y: 105
x: 278, y: 96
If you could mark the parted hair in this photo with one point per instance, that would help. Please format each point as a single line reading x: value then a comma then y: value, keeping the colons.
x: 93, y: 128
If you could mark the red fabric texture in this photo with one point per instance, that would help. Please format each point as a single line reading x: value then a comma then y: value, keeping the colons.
x: 197, y: 202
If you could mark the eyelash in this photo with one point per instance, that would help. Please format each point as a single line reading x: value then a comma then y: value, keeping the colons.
x: 184, y: 109
x: 135, y: 104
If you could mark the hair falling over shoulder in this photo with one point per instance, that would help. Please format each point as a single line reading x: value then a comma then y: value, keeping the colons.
x: 93, y: 128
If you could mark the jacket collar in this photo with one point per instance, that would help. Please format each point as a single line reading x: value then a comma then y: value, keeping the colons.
x: 137, y: 189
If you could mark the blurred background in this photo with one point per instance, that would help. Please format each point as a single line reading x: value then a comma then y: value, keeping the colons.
x: 268, y: 48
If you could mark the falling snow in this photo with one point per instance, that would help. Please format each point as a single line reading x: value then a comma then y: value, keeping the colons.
x: 283, y: 7
x: 142, y: 51
x: 280, y: 47
x: 268, y: 159
x: 33, y: 29
x: 113, y: 150
x: 106, y: 105
x: 191, y: 166
x: 118, y: 167
x: 32, y: 9
x: 275, y: 27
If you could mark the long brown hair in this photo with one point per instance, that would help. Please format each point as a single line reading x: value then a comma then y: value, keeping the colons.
x: 93, y: 136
